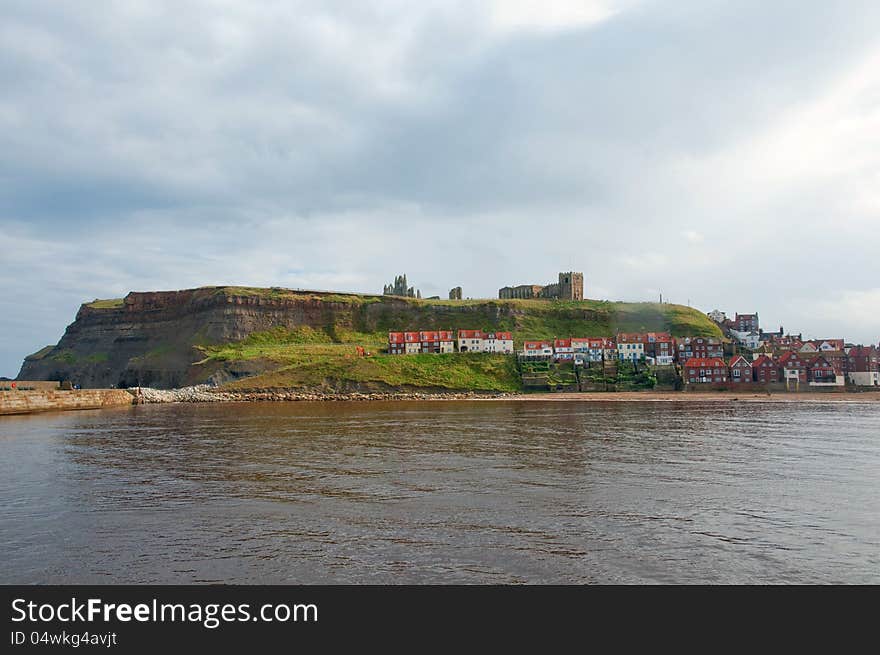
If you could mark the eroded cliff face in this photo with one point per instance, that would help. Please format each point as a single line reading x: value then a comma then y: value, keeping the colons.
x: 150, y: 339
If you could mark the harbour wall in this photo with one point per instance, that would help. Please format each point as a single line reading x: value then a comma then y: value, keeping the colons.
x: 46, y: 400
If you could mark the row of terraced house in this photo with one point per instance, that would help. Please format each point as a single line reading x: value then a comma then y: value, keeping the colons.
x: 656, y: 348
x: 858, y: 365
x: 782, y: 360
x: 448, y: 341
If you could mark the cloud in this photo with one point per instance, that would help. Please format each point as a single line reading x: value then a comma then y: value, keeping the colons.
x: 848, y: 311
x: 726, y: 154
x: 553, y: 15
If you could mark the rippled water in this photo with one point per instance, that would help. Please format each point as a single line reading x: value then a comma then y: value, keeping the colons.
x: 443, y: 492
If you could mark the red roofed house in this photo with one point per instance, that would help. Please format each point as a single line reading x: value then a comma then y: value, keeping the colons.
x: 470, y: 341
x: 740, y: 370
x: 864, y: 366
x: 705, y: 370
x: 794, y: 368
x: 430, y: 342
x: 630, y: 346
x: 591, y: 349
x: 562, y: 350
x: 447, y: 341
x: 822, y: 373
x: 608, y: 346
x: 581, y: 348
x: 838, y: 360
x: 396, y: 345
x: 787, y: 342
x: 765, y: 370
x: 699, y: 348
x: 498, y: 342
x: 660, y: 347
x: 412, y: 342
x: 538, y: 348
x: 827, y: 345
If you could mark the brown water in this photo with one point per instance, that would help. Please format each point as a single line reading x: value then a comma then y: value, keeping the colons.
x: 443, y: 492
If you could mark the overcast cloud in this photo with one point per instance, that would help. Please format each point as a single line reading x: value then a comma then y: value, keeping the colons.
x: 726, y: 153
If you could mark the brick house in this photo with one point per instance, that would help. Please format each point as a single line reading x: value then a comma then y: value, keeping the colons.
x: 794, y: 367
x: 765, y: 370
x: 787, y: 342
x: 470, y: 341
x: 864, y: 366
x: 699, y: 348
x: 498, y: 342
x: 838, y: 360
x: 660, y: 347
x: 740, y: 370
x: 429, y: 341
x: 746, y: 323
x: 705, y: 370
x: 396, y: 343
x: 821, y: 372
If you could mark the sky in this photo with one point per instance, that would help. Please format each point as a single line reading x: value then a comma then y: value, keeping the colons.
x: 724, y: 154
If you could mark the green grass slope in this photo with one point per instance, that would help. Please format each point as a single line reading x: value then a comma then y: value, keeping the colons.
x: 324, y: 357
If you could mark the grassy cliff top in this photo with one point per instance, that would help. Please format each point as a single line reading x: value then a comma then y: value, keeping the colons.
x: 606, y: 316
x: 527, y: 319
x: 110, y: 303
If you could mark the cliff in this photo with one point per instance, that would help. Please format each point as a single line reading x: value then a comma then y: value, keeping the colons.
x: 175, y: 338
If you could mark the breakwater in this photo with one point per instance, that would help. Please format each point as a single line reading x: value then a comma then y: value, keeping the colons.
x: 209, y: 394
x: 47, y: 400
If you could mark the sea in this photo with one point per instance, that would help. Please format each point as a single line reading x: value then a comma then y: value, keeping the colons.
x: 443, y: 492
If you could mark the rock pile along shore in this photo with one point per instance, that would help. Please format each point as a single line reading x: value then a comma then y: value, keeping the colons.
x: 207, y: 394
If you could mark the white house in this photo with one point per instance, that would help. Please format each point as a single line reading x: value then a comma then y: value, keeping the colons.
x: 538, y: 348
x: 470, y: 341
x: 498, y: 342
x: 750, y: 340
x: 413, y: 343
x: 447, y: 341
x: 717, y: 315
x: 630, y: 347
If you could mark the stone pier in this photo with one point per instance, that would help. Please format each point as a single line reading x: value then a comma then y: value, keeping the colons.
x: 43, y: 400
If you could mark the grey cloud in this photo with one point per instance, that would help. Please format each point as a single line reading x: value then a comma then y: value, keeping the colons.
x: 310, y: 144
